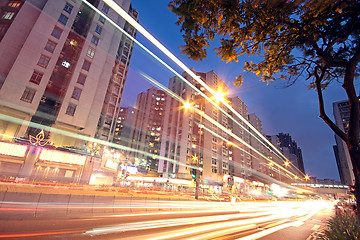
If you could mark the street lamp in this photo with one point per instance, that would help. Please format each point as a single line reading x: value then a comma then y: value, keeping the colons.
x: 307, y: 177
x: 286, y: 164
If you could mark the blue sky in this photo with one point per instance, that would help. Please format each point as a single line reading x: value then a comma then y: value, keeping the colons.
x: 292, y: 110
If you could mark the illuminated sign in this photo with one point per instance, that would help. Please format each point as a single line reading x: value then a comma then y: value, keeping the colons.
x: 62, y: 157
x: 11, y: 149
x: 130, y: 169
x: 39, y: 139
x: 111, y: 164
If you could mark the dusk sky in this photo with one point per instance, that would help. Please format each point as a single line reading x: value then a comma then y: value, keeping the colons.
x: 292, y: 110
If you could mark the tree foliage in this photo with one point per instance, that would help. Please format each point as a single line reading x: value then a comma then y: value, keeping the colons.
x: 295, y: 38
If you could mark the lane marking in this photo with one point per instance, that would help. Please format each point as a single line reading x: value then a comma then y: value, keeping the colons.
x: 316, y: 227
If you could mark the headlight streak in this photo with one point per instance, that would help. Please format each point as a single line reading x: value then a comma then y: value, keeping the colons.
x: 276, y: 211
x: 163, y: 49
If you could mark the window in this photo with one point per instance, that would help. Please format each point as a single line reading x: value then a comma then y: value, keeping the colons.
x: 8, y: 15
x: 56, y: 32
x: 43, y: 61
x: 105, y: 8
x: 102, y: 19
x: 98, y: 29
x: 86, y: 65
x: 36, y: 77
x: 50, y: 46
x: 3, y: 28
x: 14, y: 4
x: 76, y: 93
x: 28, y: 95
x: 70, y: 110
x: 68, y: 8
x: 95, y: 40
x: 81, y: 79
x: 91, y: 52
x: 63, y: 19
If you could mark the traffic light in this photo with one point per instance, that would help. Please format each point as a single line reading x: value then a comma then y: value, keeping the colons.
x: 270, y: 192
x: 193, y: 173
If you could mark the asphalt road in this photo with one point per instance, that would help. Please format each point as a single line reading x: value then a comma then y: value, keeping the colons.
x: 196, y: 220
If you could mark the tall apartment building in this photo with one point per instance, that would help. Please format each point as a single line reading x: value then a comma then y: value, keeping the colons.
x: 124, y: 126
x: 241, y: 163
x: 259, y: 157
x: 189, y: 138
x: 148, y: 126
x: 342, y: 113
x: 63, y: 69
x: 60, y: 66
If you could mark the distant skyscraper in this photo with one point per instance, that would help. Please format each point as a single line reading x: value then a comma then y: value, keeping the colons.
x: 342, y: 113
x: 124, y: 126
x: 146, y: 134
x: 291, y: 150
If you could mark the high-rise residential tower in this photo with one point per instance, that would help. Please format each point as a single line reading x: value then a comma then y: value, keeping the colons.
x: 148, y: 125
x: 64, y: 72
x: 342, y: 113
x: 62, y: 66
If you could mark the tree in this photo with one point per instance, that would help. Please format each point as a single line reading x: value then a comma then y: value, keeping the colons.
x: 318, y: 41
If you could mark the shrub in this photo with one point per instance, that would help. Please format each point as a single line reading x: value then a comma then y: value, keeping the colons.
x: 342, y: 227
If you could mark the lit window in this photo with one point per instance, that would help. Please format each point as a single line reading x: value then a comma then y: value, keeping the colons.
x: 81, y: 79
x: 95, y: 40
x: 102, y: 19
x: 68, y: 8
x: 56, y: 32
x: 90, y: 53
x: 36, y: 77
x: 65, y: 64
x: 50, y: 46
x: 98, y: 29
x: 8, y: 15
x: 28, y: 95
x: 14, y: 4
x: 105, y: 8
x: 70, y: 110
x: 76, y: 93
x: 63, y: 19
x: 86, y: 65
x: 43, y: 61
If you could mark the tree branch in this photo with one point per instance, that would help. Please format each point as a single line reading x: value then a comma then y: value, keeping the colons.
x: 323, y: 115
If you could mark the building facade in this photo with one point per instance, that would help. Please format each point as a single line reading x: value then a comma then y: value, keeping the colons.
x: 342, y: 113
x: 63, y: 69
x: 145, y: 138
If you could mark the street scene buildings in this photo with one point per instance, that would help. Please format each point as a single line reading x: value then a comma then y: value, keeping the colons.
x: 66, y: 69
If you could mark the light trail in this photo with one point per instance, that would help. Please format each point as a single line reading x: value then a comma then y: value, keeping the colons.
x: 163, y: 49
x: 285, y: 215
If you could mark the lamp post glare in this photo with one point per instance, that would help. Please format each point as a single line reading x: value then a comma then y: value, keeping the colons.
x: 187, y: 105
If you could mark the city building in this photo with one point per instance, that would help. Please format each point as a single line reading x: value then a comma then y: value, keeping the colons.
x: 342, y: 113
x: 62, y: 78
x: 145, y: 138
x: 291, y: 151
x: 190, y: 137
x: 240, y: 153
